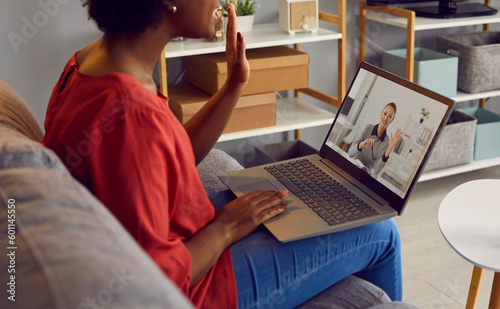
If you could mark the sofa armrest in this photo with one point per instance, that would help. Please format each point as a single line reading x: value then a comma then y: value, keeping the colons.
x: 215, y: 163
x: 16, y: 114
x: 71, y: 251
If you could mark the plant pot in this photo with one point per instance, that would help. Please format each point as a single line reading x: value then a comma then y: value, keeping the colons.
x: 245, y: 23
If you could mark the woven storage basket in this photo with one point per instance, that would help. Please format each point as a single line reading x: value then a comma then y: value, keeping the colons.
x: 479, y: 59
x: 455, y: 144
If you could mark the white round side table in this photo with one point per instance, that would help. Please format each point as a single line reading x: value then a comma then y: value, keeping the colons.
x: 469, y: 219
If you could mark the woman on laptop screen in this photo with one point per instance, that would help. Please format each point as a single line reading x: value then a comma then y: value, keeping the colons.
x: 373, y: 145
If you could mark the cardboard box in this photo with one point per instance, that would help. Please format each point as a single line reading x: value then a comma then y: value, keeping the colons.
x: 272, y: 69
x: 487, y: 141
x: 251, y: 112
x: 282, y: 151
x: 455, y: 144
x: 433, y: 70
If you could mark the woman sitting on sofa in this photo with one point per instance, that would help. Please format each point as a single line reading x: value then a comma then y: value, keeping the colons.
x: 113, y: 129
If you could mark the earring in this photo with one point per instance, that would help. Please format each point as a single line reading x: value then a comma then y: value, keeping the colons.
x: 174, y: 9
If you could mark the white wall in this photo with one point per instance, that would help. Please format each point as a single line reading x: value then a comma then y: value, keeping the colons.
x: 37, y: 38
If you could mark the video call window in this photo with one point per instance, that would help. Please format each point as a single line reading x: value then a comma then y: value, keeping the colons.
x: 385, y: 129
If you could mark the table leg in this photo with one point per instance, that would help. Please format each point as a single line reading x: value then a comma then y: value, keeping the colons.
x: 475, y: 282
x: 495, y: 292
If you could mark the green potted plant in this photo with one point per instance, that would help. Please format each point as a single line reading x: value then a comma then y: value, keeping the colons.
x: 425, y: 114
x: 245, y: 10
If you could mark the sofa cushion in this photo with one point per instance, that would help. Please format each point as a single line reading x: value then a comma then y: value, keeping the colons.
x: 15, y: 113
x: 353, y: 293
x: 16, y: 150
x: 350, y: 293
x: 71, y: 250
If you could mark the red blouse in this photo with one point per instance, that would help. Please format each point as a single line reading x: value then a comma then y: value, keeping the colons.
x: 125, y: 145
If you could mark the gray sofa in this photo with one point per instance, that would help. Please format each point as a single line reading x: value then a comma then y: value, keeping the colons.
x: 67, y: 249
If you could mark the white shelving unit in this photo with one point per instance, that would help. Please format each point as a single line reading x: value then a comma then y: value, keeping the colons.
x: 463, y: 96
x: 422, y: 23
x: 459, y: 169
x: 262, y: 35
x: 292, y: 113
x: 406, y: 19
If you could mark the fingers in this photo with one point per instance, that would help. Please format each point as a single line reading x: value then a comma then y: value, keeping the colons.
x: 242, y: 215
x: 262, y: 197
x: 257, y: 193
x: 231, y: 28
x: 241, y: 46
x: 254, y: 193
x: 369, y: 142
x: 270, y: 204
x: 269, y: 198
x: 398, y: 134
x: 266, y: 203
x: 270, y: 212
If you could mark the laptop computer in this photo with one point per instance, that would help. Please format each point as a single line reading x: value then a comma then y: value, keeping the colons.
x: 343, y: 186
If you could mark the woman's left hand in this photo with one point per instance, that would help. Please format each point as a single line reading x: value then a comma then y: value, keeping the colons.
x: 393, y: 140
x: 237, y: 63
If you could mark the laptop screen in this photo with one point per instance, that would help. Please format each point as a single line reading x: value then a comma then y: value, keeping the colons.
x: 384, y: 130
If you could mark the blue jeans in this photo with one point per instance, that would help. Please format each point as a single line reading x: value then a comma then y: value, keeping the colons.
x: 270, y: 274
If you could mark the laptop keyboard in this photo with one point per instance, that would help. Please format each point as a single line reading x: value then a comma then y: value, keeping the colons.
x: 333, y: 202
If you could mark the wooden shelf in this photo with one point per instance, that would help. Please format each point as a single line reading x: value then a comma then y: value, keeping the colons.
x: 423, y: 23
x: 262, y: 35
x: 291, y: 114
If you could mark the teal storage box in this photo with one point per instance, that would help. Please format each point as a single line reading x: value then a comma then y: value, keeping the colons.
x: 433, y: 70
x: 487, y: 141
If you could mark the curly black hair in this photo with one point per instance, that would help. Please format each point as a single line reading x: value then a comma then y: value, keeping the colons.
x: 127, y: 16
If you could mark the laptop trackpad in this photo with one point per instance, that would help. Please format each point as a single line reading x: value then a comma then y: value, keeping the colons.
x: 258, y: 185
